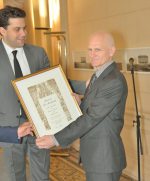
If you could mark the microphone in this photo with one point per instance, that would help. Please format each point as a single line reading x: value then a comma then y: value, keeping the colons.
x: 131, y: 61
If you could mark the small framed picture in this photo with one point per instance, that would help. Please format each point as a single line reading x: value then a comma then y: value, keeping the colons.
x: 81, y: 60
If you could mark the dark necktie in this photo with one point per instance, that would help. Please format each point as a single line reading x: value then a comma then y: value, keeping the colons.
x: 18, y: 72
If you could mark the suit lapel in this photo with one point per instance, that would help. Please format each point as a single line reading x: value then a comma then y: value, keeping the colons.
x: 29, y: 56
x: 100, y: 78
x: 98, y: 82
x: 5, y: 63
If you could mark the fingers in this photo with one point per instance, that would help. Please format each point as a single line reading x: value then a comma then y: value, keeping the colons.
x: 87, y: 82
x: 26, y: 125
x: 77, y: 97
x: 25, y: 129
x: 45, y: 142
x: 74, y: 94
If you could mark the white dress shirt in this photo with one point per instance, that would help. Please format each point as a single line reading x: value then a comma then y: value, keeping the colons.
x: 21, y: 59
x: 20, y: 56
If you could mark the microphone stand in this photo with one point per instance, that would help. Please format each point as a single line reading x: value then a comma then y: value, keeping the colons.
x: 138, y: 133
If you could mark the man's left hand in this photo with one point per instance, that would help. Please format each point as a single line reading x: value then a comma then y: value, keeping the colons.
x: 46, y: 142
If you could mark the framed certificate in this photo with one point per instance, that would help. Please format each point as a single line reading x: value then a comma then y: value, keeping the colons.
x: 47, y: 100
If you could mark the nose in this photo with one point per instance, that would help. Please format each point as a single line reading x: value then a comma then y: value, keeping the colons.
x: 23, y: 32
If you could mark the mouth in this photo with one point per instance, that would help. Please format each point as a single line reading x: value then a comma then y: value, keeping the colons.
x: 94, y: 60
x: 21, y: 40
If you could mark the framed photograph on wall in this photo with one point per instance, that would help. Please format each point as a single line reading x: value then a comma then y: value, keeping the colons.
x: 47, y: 100
x: 81, y: 60
x: 140, y: 57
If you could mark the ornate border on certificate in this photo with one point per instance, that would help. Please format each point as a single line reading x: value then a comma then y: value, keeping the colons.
x: 47, y: 100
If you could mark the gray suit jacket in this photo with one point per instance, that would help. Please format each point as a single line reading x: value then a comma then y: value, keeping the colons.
x: 9, y: 104
x: 100, y: 125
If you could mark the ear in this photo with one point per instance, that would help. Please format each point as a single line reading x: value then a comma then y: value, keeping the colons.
x: 112, y: 51
x: 2, y: 31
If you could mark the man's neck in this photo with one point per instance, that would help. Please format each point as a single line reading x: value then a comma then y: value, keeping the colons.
x: 99, y: 70
x: 103, y: 66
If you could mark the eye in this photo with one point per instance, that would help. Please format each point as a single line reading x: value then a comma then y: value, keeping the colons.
x: 89, y: 49
x: 98, y: 49
x: 95, y: 50
x: 25, y: 28
x: 17, y: 29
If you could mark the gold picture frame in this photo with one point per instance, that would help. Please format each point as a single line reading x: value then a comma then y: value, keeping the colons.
x: 47, y: 100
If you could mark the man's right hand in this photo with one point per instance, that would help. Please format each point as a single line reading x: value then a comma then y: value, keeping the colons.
x: 25, y: 129
x: 78, y: 97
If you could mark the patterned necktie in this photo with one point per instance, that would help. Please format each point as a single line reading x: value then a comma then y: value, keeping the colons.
x: 18, y: 72
x: 93, y: 78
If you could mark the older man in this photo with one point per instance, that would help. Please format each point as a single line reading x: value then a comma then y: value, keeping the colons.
x: 101, y: 148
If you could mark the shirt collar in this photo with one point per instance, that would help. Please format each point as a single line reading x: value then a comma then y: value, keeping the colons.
x: 99, y: 71
x: 9, y: 49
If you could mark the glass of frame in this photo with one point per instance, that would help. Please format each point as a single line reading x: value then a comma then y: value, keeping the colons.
x: 47, y: 100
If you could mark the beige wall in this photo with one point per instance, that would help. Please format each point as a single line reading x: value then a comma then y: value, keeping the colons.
x: 128, y: 22
x: 125, y: 19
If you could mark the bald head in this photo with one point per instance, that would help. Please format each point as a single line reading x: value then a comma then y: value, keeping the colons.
x: 101, y: 48
x: 104, y: 37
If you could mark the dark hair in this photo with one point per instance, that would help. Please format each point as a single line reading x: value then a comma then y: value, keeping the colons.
x: 10, y: 12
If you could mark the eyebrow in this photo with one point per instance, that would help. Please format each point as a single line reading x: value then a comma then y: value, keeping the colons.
x: 96, y: 49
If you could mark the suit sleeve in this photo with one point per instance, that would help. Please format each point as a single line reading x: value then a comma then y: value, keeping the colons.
x: 9, y: 134
x: 101, y: 105
x: 43, y: 59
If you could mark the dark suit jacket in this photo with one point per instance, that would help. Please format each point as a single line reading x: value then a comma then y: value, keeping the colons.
x: 100, y: 125
x: 9, y: 104
x: 9, y: 134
